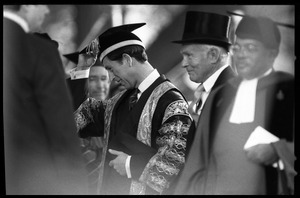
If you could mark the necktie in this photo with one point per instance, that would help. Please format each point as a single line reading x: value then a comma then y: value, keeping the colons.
x: 197, y: 101
x: 133, y: 98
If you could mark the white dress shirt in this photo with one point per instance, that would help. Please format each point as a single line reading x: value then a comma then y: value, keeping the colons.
x: 208, y: 84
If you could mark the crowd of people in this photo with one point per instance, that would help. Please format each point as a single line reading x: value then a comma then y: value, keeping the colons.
x: 116, y: 126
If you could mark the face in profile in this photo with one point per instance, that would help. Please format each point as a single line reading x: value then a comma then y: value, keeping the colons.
x: 98, y: 83
x: 195, y: 61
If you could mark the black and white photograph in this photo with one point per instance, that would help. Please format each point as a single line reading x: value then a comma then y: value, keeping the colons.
x: 149, y: 99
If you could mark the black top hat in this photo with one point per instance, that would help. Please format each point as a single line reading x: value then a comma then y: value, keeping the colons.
x: 117, y: 37
x: 112, y: 39
x: 262, y: 29
x: 206, y: 28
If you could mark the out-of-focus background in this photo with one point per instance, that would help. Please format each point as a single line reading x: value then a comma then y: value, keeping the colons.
x: 74, y: 26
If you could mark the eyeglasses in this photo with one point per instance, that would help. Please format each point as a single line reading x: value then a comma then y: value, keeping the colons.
x: 248, y: 48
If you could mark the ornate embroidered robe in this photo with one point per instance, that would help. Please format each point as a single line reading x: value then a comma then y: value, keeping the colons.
x: 154, y: 133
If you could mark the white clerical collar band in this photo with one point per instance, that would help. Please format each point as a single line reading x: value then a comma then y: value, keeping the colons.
x: 119, y: 45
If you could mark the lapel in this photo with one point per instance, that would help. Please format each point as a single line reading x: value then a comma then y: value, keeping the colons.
x: 224, y: 76
x: 138, y: 108
x: 214, y: 108
x: 121, y: 103
x: 130, y: 122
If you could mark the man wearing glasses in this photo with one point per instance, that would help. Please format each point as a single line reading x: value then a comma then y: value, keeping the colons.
x: 246, y: 137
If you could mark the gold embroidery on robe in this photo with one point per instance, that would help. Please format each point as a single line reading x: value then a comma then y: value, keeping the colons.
x: 170, y: 156
x: 83, y: 115
x: 168, y: 160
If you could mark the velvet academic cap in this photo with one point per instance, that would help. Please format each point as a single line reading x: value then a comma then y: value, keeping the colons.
x: 262, y: 29
x: 117, y: 37
x: 110, y: 40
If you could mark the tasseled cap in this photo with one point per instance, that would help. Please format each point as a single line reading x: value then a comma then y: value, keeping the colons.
x: 91, y: 49
x: 262, y: 29
x: 117, y: 37
x: 110, y: 40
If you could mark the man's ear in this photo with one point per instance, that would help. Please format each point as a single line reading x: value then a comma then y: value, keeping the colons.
x: 213, y: 55
x: 127, y: 59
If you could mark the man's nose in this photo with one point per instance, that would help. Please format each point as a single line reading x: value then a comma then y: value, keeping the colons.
x: 184, y: 63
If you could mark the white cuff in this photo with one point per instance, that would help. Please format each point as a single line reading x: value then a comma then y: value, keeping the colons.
x: 280, y: 163
x: 79, y: 74
x: 127, y: 166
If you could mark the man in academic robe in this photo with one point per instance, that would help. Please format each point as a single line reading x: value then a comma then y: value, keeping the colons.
x: 145, y: 127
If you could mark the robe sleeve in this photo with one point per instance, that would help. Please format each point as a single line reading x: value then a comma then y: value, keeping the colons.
x: 89, y: 118
x: 165, y: 165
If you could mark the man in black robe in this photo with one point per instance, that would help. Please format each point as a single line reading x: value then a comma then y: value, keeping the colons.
x: 145, y: 127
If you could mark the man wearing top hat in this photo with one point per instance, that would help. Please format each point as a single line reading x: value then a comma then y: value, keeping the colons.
x: 248, y: 127
x: 205, y: 46
x: 145, y: 127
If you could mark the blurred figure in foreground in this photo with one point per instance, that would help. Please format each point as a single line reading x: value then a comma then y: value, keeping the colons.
x: 245, y: 143
x: 42, y: 152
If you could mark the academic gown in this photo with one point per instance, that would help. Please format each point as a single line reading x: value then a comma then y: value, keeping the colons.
x: 123, y: 137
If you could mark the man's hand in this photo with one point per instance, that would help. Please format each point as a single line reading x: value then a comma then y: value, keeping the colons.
x: 262, y: 154
x: 85, y: 61
x: 119, y: 162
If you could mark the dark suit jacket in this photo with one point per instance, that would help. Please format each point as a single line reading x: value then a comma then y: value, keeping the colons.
x: 42, y: 152
x: 224, y: 76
